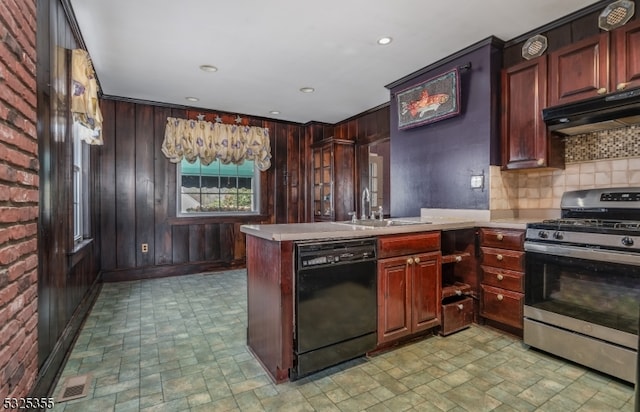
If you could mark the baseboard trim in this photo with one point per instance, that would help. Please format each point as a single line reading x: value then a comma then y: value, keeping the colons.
x: 152, y: 272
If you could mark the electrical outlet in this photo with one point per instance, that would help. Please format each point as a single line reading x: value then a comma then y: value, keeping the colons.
x: 145, y: 247
x: 477, y: 181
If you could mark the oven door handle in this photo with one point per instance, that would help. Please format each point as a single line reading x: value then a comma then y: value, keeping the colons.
x: 584, y: 253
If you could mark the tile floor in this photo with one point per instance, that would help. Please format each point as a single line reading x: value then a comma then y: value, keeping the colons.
x: 177, y: 344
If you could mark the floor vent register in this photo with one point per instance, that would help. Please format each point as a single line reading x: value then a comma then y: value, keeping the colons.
x: 74, y: 387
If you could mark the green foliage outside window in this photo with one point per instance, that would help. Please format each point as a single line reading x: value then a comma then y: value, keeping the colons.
x: 217, y: 188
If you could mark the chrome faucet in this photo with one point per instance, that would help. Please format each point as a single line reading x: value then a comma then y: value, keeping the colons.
x: 366, y: 197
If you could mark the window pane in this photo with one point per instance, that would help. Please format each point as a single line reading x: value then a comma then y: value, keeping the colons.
x: 218, y: 188
x: 77, y: 205
x: 77, y: 189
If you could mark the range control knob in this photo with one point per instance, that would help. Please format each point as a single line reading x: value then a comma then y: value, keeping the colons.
x: 542, y: 234
x: 558, y: 235
x: 627, y: 241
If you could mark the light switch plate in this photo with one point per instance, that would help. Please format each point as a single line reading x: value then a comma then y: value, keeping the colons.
x: 477, y: 181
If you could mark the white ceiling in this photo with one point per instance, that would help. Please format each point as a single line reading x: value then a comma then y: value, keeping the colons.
x: 267, y: 50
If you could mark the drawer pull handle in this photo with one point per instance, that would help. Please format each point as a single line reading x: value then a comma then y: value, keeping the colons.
x: 500, y: 236
x: 500, y: 277
x: 458, y: 258
x: 417, y: 260
x: 500, y: 297
x: 621, y: 86
x: 410, y: 261
x: 499, y: 257
x: 460, y: 306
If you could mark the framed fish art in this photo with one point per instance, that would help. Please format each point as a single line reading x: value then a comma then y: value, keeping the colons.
x: 430, y: 101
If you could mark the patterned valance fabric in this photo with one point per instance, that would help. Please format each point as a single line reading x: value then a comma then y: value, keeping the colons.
x: 193, y: 139
x: 84, y: 98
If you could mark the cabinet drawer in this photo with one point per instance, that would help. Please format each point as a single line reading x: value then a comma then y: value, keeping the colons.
x: 502, y: 238
x: 503, y: 258
x: 502, y: 306
x: 503, y: 278
x: 399, y: 245
x: 456, y: 315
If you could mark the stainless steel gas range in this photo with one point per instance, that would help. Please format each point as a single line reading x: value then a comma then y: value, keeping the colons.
x: 582, y: 281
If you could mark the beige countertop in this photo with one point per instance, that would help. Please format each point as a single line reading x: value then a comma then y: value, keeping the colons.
x: 344, y: 230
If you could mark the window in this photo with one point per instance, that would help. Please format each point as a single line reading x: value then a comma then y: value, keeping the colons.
x: 375, y: 179
x: 218, y: 188
x: 80, y: 188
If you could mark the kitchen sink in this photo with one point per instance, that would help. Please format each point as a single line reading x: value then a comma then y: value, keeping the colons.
x: 383, y: 223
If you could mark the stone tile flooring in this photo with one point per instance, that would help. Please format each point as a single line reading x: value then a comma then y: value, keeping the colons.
x: 178, y: 344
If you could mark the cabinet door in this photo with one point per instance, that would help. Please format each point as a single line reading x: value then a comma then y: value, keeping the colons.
x: 344, y: 180
x: 333, y: 180
x: 394, y: 299
x: 323, y: 183
x: 579, y: 71
x: 426, y: 291
x: 626, y: 56
x: 524, y: 134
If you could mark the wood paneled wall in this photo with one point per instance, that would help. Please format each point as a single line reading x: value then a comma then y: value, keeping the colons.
x: 370, y: 127
x: 67, y: 274
x: 364, y: 128
x: 138, y: 196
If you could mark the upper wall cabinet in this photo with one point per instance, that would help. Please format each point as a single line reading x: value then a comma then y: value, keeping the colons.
x: 525, y: 143
x: 579, y: 71
x: 626, y: 57
x: 601, y: 64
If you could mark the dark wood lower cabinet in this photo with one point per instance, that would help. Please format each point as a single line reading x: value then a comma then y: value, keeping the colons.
x: 394, y: 299
x: 503, y: 306
x: 456, y: 315
x: 408, y: 295
x: 270, y: 305
x: 502, y: 267
x: 425, y: 291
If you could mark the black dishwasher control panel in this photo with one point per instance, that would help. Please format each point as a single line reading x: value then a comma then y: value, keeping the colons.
x: 332, y: 252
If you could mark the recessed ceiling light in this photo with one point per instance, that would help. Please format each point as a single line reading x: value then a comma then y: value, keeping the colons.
x: 307, y: 89
x: 274, y: 112
x: 192, y: 99
x: 208, y: 68
x: 384, y: 40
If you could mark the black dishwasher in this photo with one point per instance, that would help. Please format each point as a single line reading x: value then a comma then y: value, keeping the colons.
x: 336, y: 303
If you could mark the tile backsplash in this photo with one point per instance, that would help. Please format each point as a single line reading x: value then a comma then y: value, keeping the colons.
x: 604, y: 159
x: 607, y: 144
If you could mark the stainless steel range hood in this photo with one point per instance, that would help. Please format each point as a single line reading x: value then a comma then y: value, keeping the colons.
x: 599, y: 113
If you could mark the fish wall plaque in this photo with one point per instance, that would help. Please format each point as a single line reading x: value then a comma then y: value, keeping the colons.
x: 430, y: 101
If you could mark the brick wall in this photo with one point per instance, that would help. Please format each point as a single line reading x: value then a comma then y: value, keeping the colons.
x: 18, y: 199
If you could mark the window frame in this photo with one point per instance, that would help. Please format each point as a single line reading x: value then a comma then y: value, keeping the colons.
x: 80, y: 190
x: 256, y: 193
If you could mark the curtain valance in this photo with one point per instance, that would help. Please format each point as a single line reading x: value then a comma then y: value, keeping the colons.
x: 84, y: 98
x: 193, y: 139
